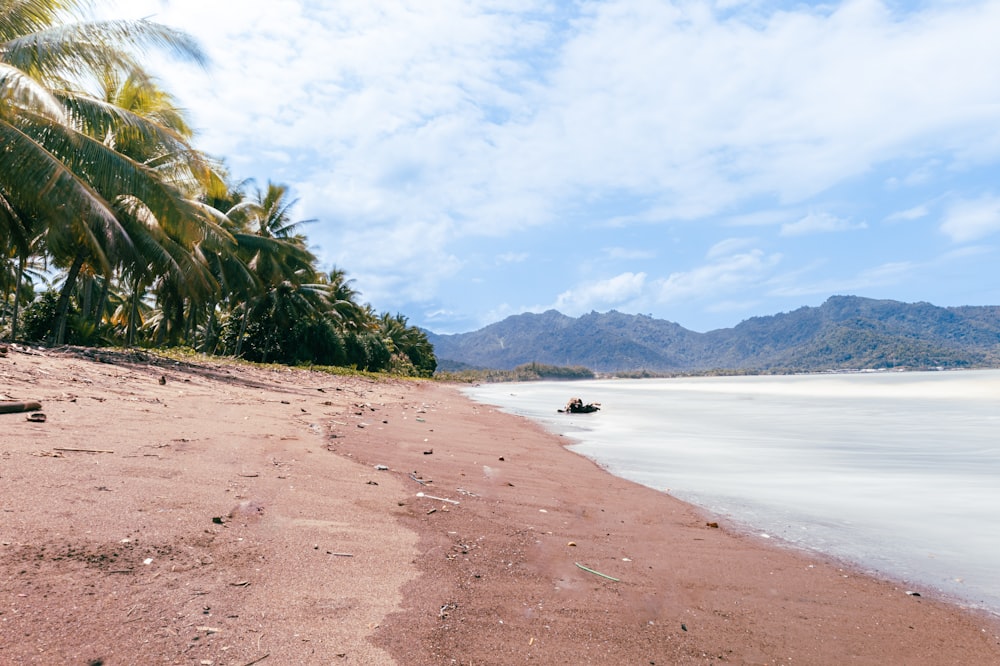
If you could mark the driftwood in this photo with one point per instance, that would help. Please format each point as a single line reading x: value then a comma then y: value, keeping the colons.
x: 18, y: 407
x: 577, y: 406
x: 72, y: 450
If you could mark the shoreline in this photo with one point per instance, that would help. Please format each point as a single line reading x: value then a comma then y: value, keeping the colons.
x: 255, y: 496
x: 744, y: 529
x: 940, y: 543
x: 696, y: 576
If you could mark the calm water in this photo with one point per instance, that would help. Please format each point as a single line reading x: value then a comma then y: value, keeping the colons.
x: 897, y: 472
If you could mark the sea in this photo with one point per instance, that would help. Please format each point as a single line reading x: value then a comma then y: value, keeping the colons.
x: 896, y: 473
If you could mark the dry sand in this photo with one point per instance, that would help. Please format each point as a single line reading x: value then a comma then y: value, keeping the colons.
x: 210, y: 514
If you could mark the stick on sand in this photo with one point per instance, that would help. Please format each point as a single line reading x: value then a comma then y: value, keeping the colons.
x: 16, y: 407
x: 596, y: 573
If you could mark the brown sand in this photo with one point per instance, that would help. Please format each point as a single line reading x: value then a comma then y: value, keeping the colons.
x: 235, y: 516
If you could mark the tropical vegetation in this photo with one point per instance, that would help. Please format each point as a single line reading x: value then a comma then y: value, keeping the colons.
x: 115, y: 229
x: 527, y: 372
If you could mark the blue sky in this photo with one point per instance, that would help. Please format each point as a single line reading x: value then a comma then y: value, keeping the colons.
x: 699, y: 162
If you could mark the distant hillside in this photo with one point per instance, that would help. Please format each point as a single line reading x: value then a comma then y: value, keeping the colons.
x: 846, y: 332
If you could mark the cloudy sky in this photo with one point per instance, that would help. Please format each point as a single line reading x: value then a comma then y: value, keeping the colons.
x: 702, y: 162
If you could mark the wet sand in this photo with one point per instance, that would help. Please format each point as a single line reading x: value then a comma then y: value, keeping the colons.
x: 192, y: 514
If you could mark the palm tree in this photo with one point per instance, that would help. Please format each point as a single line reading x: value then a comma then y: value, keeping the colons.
x: 342, y: 298
x: 408, y: 344
x: 17, y: 241
x: 54, y: 160
x: 157, y: 135
x: 274, y: 251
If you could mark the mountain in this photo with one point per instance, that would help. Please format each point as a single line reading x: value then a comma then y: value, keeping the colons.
x: 846, y: 332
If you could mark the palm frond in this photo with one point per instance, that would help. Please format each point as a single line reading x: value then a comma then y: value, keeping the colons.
x: 31, y: 176
x: 18, y: 90
x: 21, y: 17
x: 95, y: 46
x: 109, y: 172
x: 98, y: 118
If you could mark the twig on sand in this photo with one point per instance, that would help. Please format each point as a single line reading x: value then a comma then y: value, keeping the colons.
x: 596, y: 573
x: 420, y: 481
x: 342, y: 554
x: 258, y: 660
x: 440, y: 499
x: 63, y: 448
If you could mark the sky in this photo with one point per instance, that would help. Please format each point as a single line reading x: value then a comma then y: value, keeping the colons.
x: 700, y: 162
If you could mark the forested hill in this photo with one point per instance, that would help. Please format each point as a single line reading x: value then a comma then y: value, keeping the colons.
x: 846, y: 332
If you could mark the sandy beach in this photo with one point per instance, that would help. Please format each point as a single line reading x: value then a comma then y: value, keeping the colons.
x: 178, y: 513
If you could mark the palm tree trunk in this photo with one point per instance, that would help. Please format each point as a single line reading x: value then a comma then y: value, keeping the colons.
x: 17, y: 297
x: 210, y: 335
x: 134, y: 314
x: 88, y: 298
x: 243, y: 330
x: 102, y: 302
x: 194, y: 314
x: 62, y: 307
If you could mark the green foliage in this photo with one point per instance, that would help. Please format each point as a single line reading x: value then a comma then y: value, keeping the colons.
x: 543, y: 371
x: 309, y: 341
x: 316, y: 342
x: 39, y: 318
x: 529, y: 372
x: 419, y: 353
x: 367, y: 351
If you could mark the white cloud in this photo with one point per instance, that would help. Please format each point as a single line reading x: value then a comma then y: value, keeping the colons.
x: 601, y: 294
x: 920, y: 176
x: 440, y: 103
x: 758, y: 218
x: 623, y: 253
x: 892, y: 273
x: 729, y: 247
x: 789, y: 107
x: 910, y: 214
x: 966, y: 252
x: 817, y: 223
x: 512, y: 258
x: 729, y: 274
x: 971, y: 219
x: 394, y: 264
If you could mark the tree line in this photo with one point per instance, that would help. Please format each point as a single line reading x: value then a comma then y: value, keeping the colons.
x: 115, y: 229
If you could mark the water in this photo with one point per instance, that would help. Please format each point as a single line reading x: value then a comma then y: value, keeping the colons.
x: 896, y: 472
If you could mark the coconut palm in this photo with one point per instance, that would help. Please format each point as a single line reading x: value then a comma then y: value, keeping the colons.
x: 156, y: 134
x: 18, y: 239
x: 272, y: 248
x: 342, y: 298
x: 55, y: 161
x: 408, y: 344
